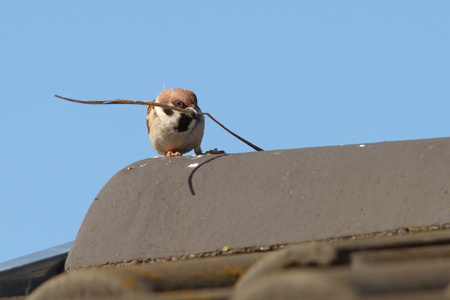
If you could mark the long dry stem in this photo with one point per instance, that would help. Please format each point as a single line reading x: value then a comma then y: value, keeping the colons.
x: 153, y: 103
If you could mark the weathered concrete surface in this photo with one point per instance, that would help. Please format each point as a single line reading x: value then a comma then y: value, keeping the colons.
x: 163, y: 207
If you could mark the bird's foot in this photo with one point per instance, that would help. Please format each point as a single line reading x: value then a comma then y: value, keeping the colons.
x: 170, y: 153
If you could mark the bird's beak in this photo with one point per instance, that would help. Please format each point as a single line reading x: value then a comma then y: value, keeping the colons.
x: 192, y: 108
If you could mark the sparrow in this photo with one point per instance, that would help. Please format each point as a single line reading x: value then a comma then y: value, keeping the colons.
x: 173, y: 133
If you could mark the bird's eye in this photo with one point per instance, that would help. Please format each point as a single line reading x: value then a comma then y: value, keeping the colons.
x: 178, y: 103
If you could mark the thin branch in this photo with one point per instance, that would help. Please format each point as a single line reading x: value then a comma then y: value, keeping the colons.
x: 121, y: 101
x: 234, y: 134
x: 153, y: 103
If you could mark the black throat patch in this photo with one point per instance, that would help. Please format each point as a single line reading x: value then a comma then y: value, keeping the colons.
x: 183, y: 123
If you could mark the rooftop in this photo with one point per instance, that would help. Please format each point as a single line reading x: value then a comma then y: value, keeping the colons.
x: 356, y: 221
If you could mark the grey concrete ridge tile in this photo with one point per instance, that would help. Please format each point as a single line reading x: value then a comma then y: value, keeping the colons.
x: 172, y: 207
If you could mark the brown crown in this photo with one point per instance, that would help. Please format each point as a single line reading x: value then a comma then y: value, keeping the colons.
x: 171, y: 95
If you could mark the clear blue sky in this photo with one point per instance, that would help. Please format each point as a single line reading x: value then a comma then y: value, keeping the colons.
x: 283, y: 74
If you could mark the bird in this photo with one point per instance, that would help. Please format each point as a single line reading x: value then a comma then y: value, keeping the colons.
x: 171, y: 132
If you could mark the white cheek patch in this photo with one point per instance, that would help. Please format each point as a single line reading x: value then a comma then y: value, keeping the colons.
x: 166, y: 119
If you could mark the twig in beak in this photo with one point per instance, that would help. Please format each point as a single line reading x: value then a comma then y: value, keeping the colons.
x: 153, y: 103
